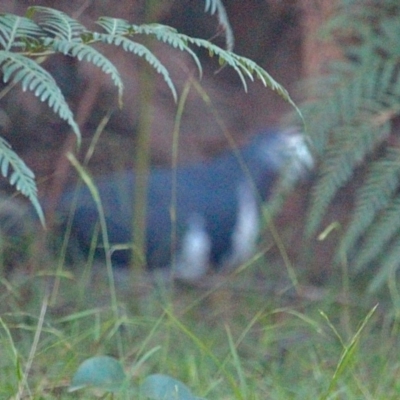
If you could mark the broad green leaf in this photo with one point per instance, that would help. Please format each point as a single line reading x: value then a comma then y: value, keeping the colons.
x: 163, y: 387
x: 102, y: 372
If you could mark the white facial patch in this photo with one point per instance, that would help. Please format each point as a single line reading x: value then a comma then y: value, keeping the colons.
x: 288, y: 152
x: 193, y: 258
x: 300, y: 158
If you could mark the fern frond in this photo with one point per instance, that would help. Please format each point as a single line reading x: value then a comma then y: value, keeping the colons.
x: 244, y: 67
x: 362, y: 98
x: 379, y: 236
x: 15, y: 31
x: 57, y: 23
x: 351, y: 145
x: 21, y: 176
x: 250, y: 68
x: 116, y: 29
x: 388, y: 265
x: 216, y: 6
x: 352, y: 117
x: 88, y: 53
x: 170, y: 36
x: 33, y: 77
x: 376, y: 193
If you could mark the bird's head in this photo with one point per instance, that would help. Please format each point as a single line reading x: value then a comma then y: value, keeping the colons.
x: 285, y: 151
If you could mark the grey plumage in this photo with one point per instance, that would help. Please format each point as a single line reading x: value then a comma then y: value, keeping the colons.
x: 217, y: 206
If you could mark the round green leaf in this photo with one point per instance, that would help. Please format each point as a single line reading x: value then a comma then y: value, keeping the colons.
x: 163, y: 387
x: 103, y: 372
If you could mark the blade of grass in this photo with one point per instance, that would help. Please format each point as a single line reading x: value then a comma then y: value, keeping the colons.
x: 38, y: 331
x: 208, y: 352
x: 347, y: 355
x: 237, y: 364
x: 84, y: 175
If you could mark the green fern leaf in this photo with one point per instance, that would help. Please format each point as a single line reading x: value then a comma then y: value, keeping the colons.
x: 375, y: 195
x: 57, y: 23
x: 341, y: 159
x: 119, y: 29
x: 116, y: 30
x: 379, y: 236
x: 251, y: 68
x: 84, y: 52
x: 388, y: 265
x: 361, y: 98
x: 350, y: 117
x: 15, y: 31
x: 33, y: 77
x: 243, y: 66
x: 21, y: 176
x: 170, y: 36
x: 115, y: 26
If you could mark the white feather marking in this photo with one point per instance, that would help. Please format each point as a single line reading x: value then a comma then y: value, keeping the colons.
x: 245, y: 232
x: 193, y: 259
x: 301, y: 159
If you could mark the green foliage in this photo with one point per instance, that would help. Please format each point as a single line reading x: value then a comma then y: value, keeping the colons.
x: 347, y: 356
x: 21, y: 176
x: 20, y: 40
x: 254, y: 345
x: 26, y: 41
x: 160, y: 387
x: 102, y: 372
x: 350, y: 122
x: 106, y: 374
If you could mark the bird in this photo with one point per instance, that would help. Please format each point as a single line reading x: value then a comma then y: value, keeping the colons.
x: 199, y: 217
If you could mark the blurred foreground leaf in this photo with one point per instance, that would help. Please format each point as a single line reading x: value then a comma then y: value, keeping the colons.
x: 103, y: 372
x: 163, y: 387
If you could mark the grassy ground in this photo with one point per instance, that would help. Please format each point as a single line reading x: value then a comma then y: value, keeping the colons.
x: 250, y: 336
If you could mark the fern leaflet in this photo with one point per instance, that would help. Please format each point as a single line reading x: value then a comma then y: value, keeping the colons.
x: 15, y: 31
x: 116, y: 30
x: 375, y: 195
x: 168, y: 35
x: 57, y: 23
x: 84, y: 52
x: 17, y: 68
x: 350, y: 118
x: 21, y: 176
